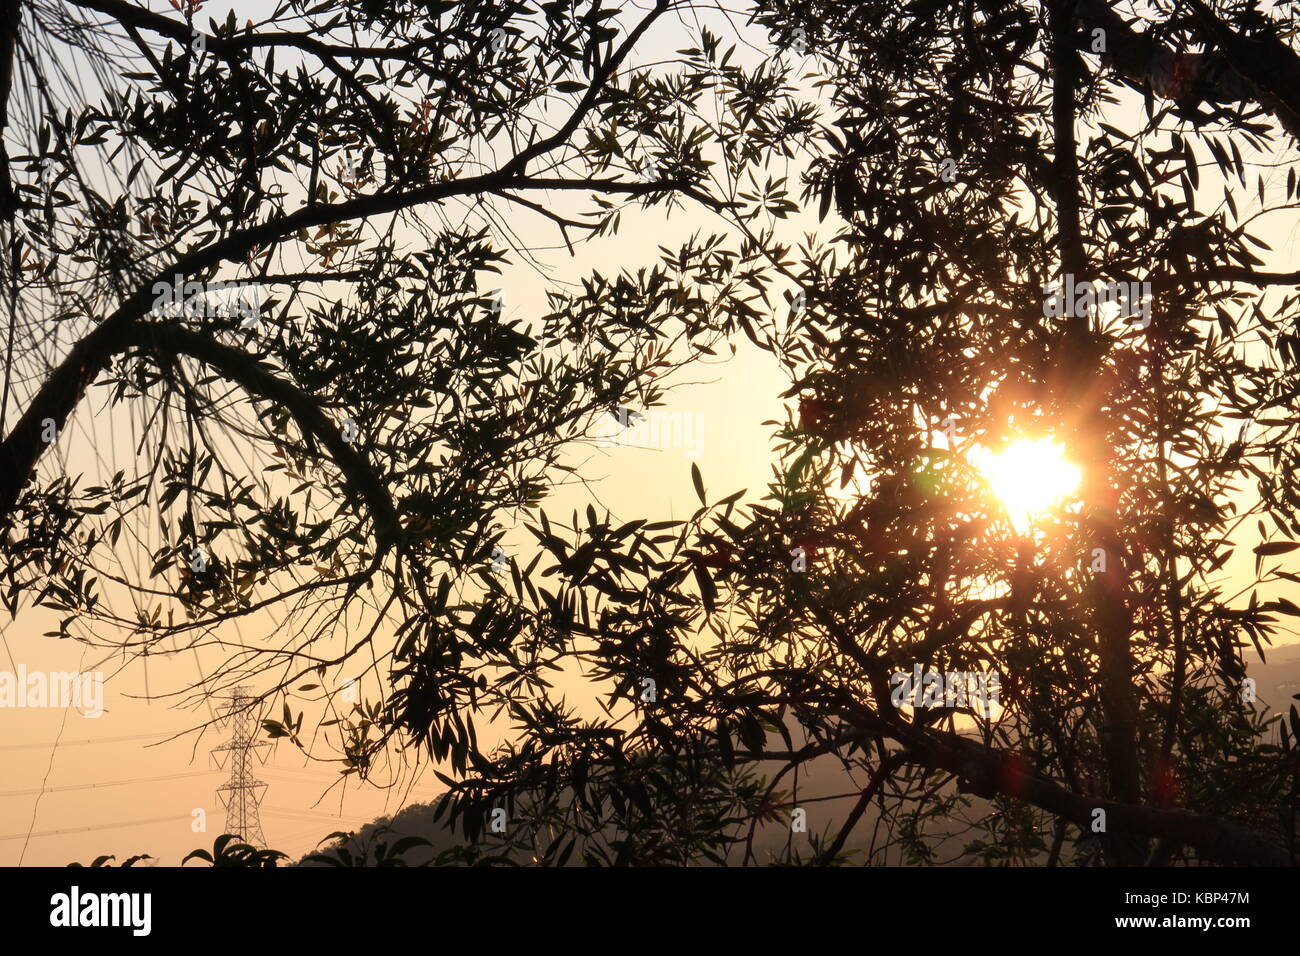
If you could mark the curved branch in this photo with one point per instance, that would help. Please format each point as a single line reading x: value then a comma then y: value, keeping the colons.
x: 1226, y: 274
x: 1241, y: 70
x: 992, y: 771
x: 67, y: 384
x: 987, y: 771
x: 129, y: 14
x: 260, y: 380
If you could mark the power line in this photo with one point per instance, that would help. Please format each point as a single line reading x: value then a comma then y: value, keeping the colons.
x: 101, y: 826
x: 301, y: 777
x: 107, y: 783
x: 78, y: 743
x: 318, y: 814
x: 314, y: 774
x: 49, y: 766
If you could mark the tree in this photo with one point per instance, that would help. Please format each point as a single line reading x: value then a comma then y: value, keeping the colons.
x: 977, y: 161
x: 264, y: 251
x: 982, y: 171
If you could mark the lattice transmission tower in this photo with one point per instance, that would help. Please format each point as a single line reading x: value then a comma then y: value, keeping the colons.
x: 242, y: 794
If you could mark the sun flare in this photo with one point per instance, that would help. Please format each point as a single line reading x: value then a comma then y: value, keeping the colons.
x: 1029, y: 477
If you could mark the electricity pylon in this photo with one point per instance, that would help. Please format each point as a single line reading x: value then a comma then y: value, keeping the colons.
x: 241, y: 795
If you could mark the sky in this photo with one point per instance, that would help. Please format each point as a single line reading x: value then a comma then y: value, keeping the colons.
x: 74, y: 787
x: 81, y: 786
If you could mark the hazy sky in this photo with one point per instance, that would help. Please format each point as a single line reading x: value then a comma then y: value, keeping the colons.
x: 726, y: 401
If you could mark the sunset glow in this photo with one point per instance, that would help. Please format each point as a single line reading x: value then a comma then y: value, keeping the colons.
x: 1029, y: 477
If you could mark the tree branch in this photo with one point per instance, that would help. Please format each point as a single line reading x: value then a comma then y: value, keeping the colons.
x: 10, y: 19
x: 1110, y: 611
x: 260, y: 380
x: 91, y: 355
x: 1244, y: 71
x: 993, y: 771
x: 1242, y: 274
x: 883, y: 772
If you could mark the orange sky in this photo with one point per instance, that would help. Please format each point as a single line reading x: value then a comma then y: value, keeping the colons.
x: 731, y: 399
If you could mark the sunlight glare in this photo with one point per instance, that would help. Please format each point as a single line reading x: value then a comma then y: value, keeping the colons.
x: 1029, y: 477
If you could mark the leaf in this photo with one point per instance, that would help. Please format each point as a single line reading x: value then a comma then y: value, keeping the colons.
x: 698, y: 481
x: 708, y: 591
x: 566, y: 852
x: 1270, y: 548
x: 724, y: 744
x: 406, y: 843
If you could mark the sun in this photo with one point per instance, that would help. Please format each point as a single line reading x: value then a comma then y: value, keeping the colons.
x: 1029, y: 477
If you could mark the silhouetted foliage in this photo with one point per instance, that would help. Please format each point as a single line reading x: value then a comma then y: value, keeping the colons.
x: 962, y: 157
